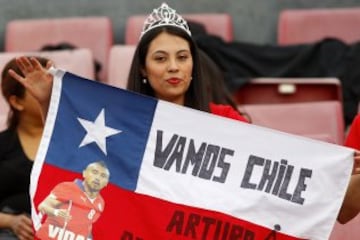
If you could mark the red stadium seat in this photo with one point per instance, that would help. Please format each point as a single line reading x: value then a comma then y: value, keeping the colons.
x: 78, y: 61
x: 297, y: 26
x: 289, y: 90
x: 120, y: 59
x: 347, y: 231
x: 219, y: 24
x: 94, y: 33
x: 318, y: 120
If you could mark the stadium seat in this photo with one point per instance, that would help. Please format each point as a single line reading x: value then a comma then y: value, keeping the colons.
x: 347, y: 231
x: 297, y: 26
x: 289, y: 90
x: 219, y: 24
x: 318, y: 120
x: 95, y: 33
x: 119, y: 64
x: 78, y: 61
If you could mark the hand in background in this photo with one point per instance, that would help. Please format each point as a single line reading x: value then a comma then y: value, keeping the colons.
x: 37, y: 80
x: 21, y: 225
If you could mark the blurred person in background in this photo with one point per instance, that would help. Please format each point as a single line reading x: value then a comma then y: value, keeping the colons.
x: 18, y: 146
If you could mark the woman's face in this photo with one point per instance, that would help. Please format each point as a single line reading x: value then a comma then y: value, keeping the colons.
x: 27, y: 106
x: 168, y: 67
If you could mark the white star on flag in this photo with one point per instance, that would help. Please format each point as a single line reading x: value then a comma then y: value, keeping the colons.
x: 97, y: 131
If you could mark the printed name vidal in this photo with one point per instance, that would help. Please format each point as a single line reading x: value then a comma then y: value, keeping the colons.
x: 202, y: 159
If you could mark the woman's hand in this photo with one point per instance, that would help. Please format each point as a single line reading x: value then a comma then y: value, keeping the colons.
x: 356, y: 169
x: 351, y: 203
x: 21, y: 225
x: 37, y: 80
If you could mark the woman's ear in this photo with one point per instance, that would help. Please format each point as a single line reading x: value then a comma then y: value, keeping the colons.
x: 143, y: 72
x: 15, y: 102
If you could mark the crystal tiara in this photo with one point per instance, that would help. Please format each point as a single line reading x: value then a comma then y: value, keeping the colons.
x: 164, y: 16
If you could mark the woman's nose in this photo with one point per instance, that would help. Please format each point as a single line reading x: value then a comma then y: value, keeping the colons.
x: 173, y: 65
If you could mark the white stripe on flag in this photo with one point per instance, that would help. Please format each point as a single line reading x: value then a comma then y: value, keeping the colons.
x: 330, y: 166
x: 45, y: 140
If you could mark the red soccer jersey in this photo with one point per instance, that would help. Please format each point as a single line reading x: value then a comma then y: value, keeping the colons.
x: 84, y: 212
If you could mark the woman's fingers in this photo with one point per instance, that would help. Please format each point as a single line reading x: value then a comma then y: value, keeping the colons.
x: 356, y: 169
x: 49, y: 64
x: 35, y: 64
x: 24, y: 64
x: 16, y: 76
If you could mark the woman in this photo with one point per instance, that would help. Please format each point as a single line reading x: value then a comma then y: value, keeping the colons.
x: 166, y: 66
x: 18, y: 146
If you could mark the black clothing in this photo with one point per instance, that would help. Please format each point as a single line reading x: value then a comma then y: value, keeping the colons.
x: 15, y: 169
x: 327, y: 58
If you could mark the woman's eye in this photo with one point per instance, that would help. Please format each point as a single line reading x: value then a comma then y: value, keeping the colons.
x: 183, y: 57
x: 160, y: 59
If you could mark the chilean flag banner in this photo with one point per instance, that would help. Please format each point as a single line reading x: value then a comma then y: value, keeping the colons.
x: 176, y: 173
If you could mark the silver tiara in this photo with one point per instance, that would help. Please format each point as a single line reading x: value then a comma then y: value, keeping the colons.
x: 164, y: 16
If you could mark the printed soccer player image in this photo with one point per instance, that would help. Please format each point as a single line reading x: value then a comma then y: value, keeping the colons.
x: 72, y: 207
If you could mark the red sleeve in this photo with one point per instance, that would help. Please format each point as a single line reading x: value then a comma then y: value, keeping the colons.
x: 226, y: 111
x: 63, y: 191
x: 353, y: 138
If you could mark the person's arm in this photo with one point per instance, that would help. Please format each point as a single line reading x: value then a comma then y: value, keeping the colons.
x: 351, y: 203
x: 37, y: 80
x: 20, y: 225
x: 50, y: 206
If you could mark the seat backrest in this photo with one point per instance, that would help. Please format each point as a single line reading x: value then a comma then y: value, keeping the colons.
x: 346, y: 231
x: 318, y: 120
x: 120, y: 59
x: 94, y: 33
x: 288, y: 90
x: 78, y: 61
x: 219, y: 24
x: 296, y: 26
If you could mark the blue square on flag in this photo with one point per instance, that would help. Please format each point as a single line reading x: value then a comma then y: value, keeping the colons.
x: 107, y: 128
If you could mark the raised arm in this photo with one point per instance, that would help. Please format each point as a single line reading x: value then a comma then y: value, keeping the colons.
x: 37, y: 80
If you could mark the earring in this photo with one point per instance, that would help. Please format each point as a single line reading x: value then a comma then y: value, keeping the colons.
x: 144, y: 80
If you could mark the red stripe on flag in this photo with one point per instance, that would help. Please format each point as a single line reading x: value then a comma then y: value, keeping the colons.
x: 49, y: 177
x: 129, y: 215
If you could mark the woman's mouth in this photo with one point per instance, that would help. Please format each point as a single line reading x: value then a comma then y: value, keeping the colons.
x: 173, y: 81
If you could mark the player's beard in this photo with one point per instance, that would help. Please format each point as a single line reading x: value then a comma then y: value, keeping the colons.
x: 93, y: 188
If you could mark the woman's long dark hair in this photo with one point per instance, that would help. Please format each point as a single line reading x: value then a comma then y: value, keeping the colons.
x: 11, y: 87
x: 196, y: 96
x: 219, y: 93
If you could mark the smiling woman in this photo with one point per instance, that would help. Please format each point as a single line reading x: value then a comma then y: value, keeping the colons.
x: 166, y: 65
